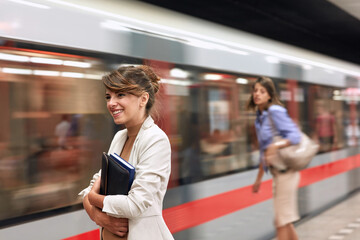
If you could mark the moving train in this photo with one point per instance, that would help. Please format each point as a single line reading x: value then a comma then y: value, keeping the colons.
x: 55, y: 125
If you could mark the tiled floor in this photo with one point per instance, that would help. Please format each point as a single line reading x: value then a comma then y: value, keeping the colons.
x: 341, y: 222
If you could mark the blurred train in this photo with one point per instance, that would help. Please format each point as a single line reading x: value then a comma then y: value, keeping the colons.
x: 54, y: 122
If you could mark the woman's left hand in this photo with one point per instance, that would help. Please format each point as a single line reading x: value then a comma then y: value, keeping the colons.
x: 96, y: 186
x: 94, y: 196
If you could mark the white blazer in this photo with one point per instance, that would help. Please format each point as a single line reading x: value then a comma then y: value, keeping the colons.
x: 151, y: 157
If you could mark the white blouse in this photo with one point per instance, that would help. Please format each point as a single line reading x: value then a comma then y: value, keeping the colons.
x: 151, y: 157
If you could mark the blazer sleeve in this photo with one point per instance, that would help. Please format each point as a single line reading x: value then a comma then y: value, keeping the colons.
x: 86, y: 191
x: 284, y: 124
x: 152, y: 175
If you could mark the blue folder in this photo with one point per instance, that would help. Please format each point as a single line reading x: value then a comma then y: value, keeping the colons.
x: 126, y: 165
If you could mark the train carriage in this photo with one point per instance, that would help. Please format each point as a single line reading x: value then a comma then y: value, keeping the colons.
x: 52, y: 56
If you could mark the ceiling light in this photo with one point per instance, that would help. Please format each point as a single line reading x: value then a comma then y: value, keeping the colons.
x: 242, y: 81
x: 211, y: 76
x: 176, y: 82
x: 77, y: 64
x: 46, y: 73
x: 178, y: 73
x: 93, y: 76
x: 17, y: 71
x: 46, y: 60
x: 72, y: 74
x: 12, y: 57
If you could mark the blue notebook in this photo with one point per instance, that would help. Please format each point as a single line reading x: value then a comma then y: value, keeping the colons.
x: 125, y: 165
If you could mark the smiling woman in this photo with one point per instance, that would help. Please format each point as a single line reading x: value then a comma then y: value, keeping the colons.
x: 130, y: 94
x: 121, y: 106
x: 130, y: 86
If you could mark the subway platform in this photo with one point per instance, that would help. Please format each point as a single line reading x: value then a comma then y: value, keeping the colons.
x: 340, y: 222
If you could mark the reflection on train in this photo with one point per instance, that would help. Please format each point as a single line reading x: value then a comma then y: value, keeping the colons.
x: 52, y: 125
x: 55, y: 125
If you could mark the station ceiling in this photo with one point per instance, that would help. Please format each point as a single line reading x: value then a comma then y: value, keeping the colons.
x: 327, y: 27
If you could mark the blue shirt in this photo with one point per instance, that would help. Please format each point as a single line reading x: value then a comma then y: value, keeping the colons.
x: 285, y: 127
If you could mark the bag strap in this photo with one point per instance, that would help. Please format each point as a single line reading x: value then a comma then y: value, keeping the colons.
x: 274, y: 130
x: 275, y: 133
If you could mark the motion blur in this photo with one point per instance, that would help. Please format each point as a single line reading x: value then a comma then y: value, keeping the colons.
x: 54, y: 127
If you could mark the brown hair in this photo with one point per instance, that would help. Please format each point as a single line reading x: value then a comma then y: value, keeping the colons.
x: 134, y: 80
x: 268, y: 84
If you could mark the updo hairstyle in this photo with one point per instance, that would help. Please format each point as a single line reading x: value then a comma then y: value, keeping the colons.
x: 134, y: 80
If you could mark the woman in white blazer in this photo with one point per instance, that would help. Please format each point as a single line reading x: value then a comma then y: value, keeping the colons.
x: 130, y: 95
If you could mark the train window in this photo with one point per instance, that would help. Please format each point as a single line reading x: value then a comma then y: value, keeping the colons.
x: 332, y: 119
x: 216, y: 140
x: 53, y: 126
x: 319, y: 112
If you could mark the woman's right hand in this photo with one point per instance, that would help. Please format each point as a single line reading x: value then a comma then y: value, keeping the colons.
x: 256, y: 186
x: 118, y: 226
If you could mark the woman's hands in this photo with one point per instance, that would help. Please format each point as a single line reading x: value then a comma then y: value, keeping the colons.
x: 256, y: 186
x: 93, y: 203
x: 95, y: 198
x: 96, y: 186
x: 118, y: 226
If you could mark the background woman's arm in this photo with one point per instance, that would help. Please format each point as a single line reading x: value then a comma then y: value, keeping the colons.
x: 284, y: 124
x: 260, y: 174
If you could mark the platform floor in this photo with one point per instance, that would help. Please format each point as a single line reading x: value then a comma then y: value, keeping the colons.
x: 340, y: 222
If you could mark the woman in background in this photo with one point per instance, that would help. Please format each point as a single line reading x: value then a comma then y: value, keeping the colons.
x: 269, y: 115
x: 130, y: 95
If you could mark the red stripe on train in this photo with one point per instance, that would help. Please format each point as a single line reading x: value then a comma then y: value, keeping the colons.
x: 316, y: 174
x: 194, y: 213
x: 197, y: 212
x: 203, y: 210
x: 92, y: 235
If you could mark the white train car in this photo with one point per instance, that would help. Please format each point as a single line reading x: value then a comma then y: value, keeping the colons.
x: 52, y: 56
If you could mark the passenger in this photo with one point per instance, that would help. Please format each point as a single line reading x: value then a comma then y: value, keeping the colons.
x: 130, y: 95
x: 61, y: 131
x: 325, y: 129
x: 265, y: 101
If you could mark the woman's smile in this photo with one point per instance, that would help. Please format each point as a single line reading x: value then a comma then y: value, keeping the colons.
x: 117, y: 113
